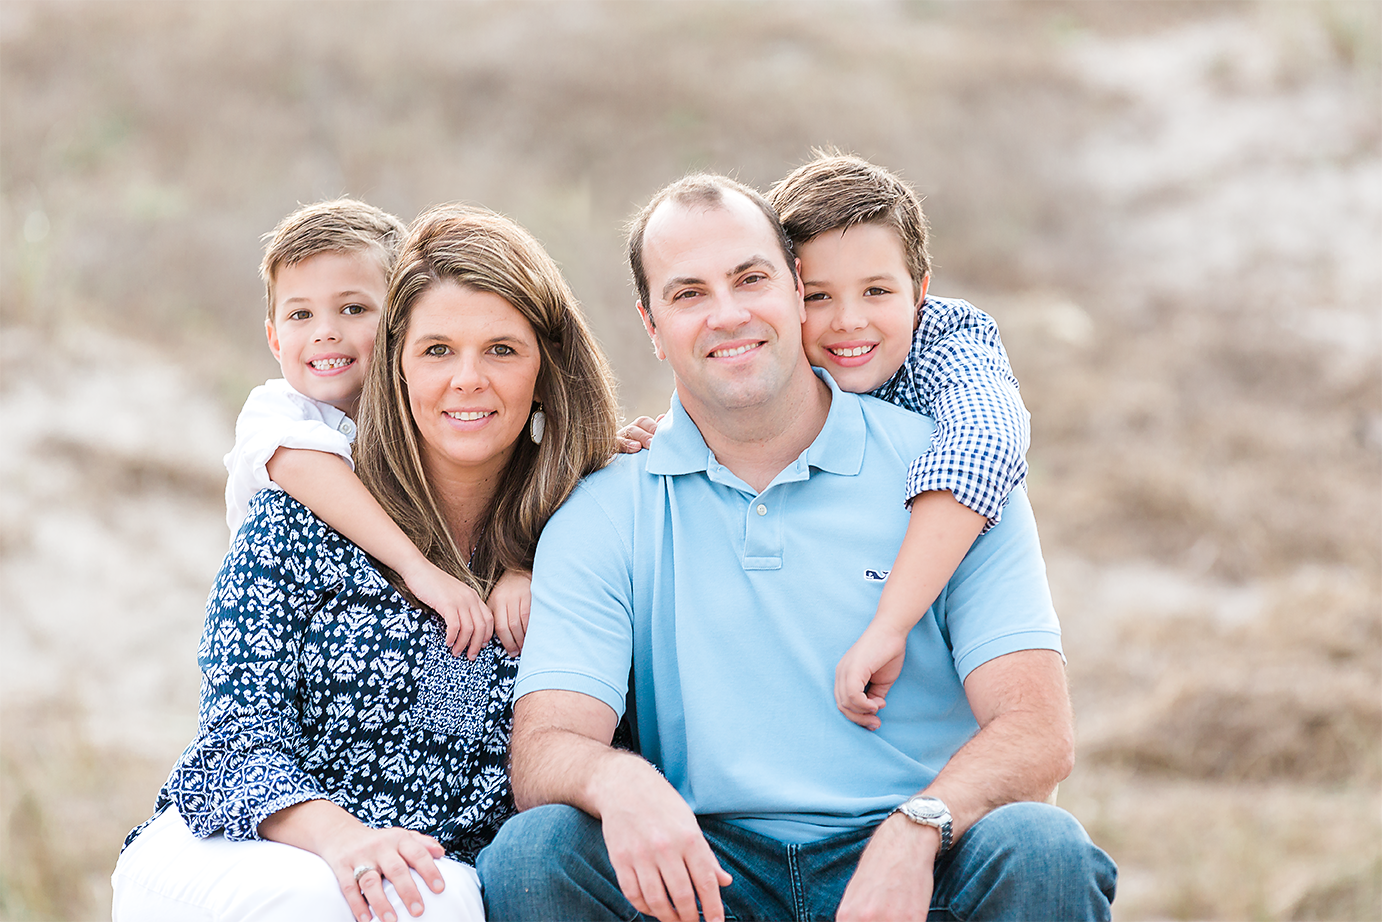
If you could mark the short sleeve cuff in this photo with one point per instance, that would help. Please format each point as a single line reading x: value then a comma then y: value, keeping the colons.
x: 967, y: 661
x: 556, y: 680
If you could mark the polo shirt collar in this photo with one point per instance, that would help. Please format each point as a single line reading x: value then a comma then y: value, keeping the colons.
x: 838, y: 448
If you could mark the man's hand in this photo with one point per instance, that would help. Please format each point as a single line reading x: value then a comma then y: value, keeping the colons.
x: 866, y: 672
x: 663, y: 863
x: 895, y: 876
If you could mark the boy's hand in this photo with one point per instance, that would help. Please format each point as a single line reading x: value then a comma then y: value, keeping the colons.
x: 511, y: 600
x: 469, y: 624
x: 866, y: 672
x: 638, y: 434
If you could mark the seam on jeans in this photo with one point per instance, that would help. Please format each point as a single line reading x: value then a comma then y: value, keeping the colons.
x: 794, y: 875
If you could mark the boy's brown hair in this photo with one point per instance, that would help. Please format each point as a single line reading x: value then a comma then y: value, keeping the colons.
x: 835, y: 191
x: 343, y: 225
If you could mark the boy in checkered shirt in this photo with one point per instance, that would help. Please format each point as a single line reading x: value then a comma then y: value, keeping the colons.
x: 860, y: 234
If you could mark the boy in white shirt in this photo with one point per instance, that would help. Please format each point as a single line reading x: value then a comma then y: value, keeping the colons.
x: 325, y: 272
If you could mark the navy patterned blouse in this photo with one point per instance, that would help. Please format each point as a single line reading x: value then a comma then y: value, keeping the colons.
x: 319, y: 680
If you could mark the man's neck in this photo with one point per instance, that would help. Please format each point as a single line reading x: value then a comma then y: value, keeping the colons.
x: 757, y: 443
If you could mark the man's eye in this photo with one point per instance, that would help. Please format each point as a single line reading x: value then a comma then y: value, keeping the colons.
x: 684, y: 294
x: 754, y: 278
x: 354, y: 309
x: 303, y: 314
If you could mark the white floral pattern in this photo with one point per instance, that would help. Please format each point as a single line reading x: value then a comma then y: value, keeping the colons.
x: 320, y: 680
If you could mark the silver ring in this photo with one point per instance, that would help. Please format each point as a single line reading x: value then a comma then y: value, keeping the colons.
x: 363, y: 869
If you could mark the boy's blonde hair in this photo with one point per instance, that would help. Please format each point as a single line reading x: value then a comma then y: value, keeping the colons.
x: 837, y: 190
x: 343, y: 225
x: 484, y: 251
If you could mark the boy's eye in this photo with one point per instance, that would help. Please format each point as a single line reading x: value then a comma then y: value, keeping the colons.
x: 875, y: 291
x: 817, y: 296
x: 300, y: 314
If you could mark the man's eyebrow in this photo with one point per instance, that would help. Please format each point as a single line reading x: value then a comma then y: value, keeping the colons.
x: 744, y: 266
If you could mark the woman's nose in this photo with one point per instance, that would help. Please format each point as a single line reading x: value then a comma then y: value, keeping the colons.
x: 466, y: 374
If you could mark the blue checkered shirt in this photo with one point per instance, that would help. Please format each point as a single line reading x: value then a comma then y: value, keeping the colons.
x: 958, y: 374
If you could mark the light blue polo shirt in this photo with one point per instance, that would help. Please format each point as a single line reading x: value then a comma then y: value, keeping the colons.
x: 733, y: 608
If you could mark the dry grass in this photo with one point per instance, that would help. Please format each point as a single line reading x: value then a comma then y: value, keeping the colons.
x: 1173, y: 208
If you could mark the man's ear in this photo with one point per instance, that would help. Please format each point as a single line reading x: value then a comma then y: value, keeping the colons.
x: 921, y: 299
x: 271, y: 335
x: 646, y: 316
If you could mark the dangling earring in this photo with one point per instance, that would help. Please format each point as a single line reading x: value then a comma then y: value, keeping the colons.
x: 538, y: 425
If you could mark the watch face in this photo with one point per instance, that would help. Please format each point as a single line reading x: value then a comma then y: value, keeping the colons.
x: 926, y: 808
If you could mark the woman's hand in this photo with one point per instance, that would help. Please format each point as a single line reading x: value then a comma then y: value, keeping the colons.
x: 511, y: 600
x: 346, y: 845
x: 469, y: 623
x: 638, y: 434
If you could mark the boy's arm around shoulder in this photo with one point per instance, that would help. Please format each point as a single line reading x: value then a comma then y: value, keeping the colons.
x: 963, y: 379
x: 329, y: 488
x: 273, y: 417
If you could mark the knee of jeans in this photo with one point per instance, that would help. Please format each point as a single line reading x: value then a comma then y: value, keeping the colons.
x: 536, y: 844
x: 1042, y: 837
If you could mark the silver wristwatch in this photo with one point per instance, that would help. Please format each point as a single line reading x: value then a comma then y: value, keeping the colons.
x: 929, y: 811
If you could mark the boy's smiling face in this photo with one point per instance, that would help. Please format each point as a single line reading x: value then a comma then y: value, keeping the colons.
x: 328, y: 308
x: 861, y: 309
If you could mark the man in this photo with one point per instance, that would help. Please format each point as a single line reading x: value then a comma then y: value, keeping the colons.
x: 711, y: 583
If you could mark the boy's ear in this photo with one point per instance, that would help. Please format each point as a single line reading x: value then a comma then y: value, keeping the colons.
x: 921, y: 299
x: 646, y: 316
x: 271, y: 335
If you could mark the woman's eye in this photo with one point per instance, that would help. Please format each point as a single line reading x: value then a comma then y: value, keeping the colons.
x: 435, y: 349
x: 502, y: 349
x: 303, y: 314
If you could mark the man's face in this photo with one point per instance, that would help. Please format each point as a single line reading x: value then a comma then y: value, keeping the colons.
x: 726, y: 310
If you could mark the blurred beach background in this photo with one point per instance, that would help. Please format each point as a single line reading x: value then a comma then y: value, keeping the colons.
x: 1173, y: 209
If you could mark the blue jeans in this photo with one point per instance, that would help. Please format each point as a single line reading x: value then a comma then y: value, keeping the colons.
x: 1022, y: 861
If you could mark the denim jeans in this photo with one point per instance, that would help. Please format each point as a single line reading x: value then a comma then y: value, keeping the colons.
x: 1022, y: 861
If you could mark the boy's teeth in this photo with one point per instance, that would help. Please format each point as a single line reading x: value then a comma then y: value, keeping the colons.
x: 328, y: 364
x: 731, y: 353
x: 851, y: 353
x: 469, y: 415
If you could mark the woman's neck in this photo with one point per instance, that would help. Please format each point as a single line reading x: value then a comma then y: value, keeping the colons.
x: 463, y: 497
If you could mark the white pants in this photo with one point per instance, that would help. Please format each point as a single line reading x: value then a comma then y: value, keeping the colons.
x: 169, y: 875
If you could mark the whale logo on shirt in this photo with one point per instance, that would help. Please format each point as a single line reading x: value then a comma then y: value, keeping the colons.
x: 876, y: 576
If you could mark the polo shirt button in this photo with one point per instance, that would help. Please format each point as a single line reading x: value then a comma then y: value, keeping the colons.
x: 762, y: 509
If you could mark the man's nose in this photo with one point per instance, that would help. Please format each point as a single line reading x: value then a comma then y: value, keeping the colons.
x: 727, y: 313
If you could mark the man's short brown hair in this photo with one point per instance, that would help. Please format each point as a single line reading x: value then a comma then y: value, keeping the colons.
x: 706, y: 190
x: 835, y: 191
x: 343, y: 225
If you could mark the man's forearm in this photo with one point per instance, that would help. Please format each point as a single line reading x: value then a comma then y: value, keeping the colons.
x: 1026, y: 742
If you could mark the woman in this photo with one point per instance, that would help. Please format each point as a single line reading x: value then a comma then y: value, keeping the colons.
x: 333, y: 717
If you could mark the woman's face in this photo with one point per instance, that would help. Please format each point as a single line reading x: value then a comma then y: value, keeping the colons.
x: 471, y: 361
